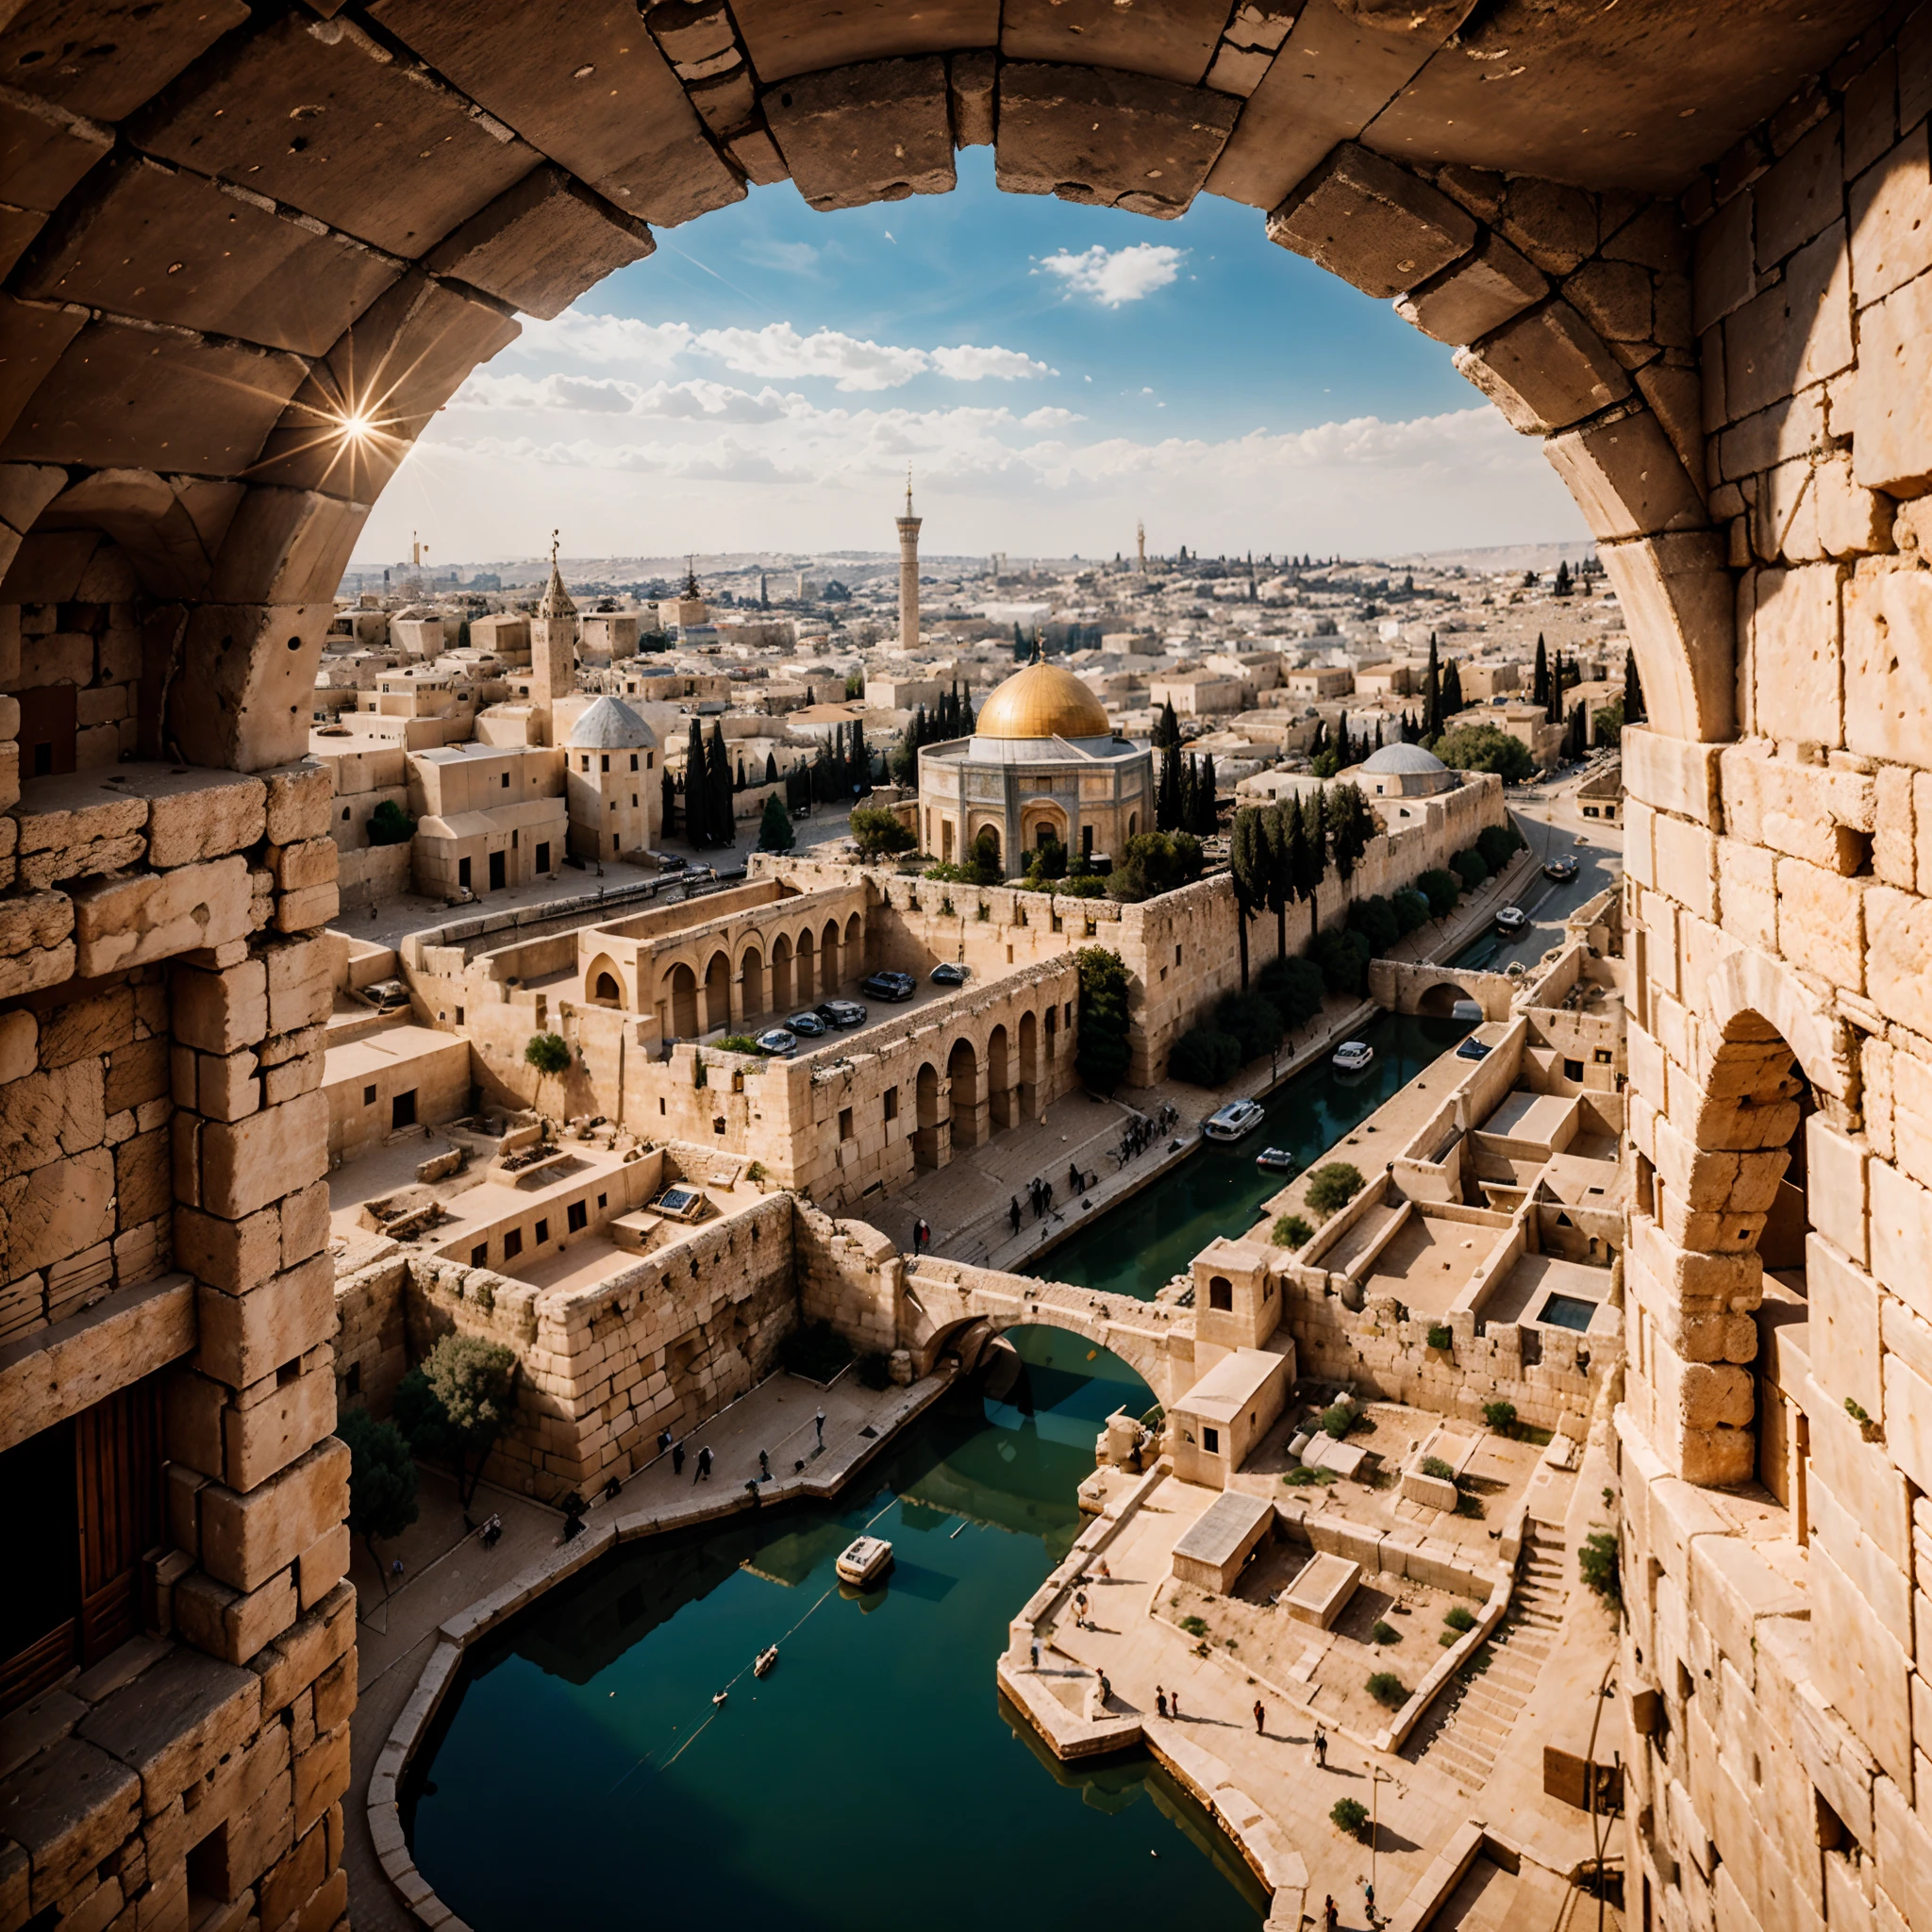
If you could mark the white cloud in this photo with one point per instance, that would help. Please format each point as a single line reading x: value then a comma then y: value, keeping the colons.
x: 579, y: 336
x: 778, y: 349
x: 1111, y: 276
x: 1051, y: 418
x: 795, y: 258
x: 969, y: 364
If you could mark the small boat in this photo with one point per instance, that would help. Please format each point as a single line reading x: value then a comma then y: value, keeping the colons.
x: 766, y: 1658
x: 1231, y: 1121
x: 1275, y: 1160
x: 1351, y: 1055
x: 864, y: 1562
x: 719, y: 1696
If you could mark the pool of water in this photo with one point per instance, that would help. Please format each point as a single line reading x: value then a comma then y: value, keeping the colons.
x: 1135, y: 1247
x: 580, y: 1775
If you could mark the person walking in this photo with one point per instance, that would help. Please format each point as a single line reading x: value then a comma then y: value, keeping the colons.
x: 818, y: 1422
x: 1080, y: 1609
x: 1174, y: 1703
x: 678, y: 1459
x: 1013, y: 1214
x: 1321, y: 1747
x: 1331, y: 1915
x: 1159, y: 1700
x: 704, y: 1474
x: 1072, y: 1178
x: 664, y: 1440
x: 764, y: 1465
x: 1261, y: 1717
x: 1105, y: 1688
x: 1035, y: 1653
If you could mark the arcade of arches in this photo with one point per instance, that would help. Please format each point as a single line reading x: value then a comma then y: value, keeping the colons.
x: 251, y: 252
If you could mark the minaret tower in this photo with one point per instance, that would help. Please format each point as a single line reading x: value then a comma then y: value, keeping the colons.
x: 908, y: 573
x: 1140, y: 548
x: 553, y: 643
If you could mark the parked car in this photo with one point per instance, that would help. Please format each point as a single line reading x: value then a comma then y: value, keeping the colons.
x: 1471, y: 1049
x: 890, y: 985
x: 777, y: 1042
x: 1512, y: 920
x: 1351, y: 1055
x: 840, y: 1013
x: 1231, y: 1121
x: 951, y: 973
x: 807, y: 1026
x: 1561, y: 869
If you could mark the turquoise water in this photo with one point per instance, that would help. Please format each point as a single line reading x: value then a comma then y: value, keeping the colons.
x: 580, y: 1775
x: 1135, y: 1247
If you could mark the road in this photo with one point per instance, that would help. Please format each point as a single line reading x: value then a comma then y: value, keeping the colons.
x: 1548, y: 818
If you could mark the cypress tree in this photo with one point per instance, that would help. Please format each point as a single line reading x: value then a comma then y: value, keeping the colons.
x: 771, y: 768
x: 737, y: 777
x: 1313, y: 850
x: 1278, y: 827
x: 1167, y: 729
x: 861, y: 760
x: 1451, y: 693
x: 1432, y: 696
x: 668, y: 790
x: 1166, y: 798
x: 1189, y: 805
x: 697, y: 825
x: 1539, y: 692
x: 1207, y: 823
x: 1379, y: 733
x: 723, y: 828
x: 967, y: 721
x: 1248, y: 863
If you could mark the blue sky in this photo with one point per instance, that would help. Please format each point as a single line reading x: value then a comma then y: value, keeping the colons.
x: 1050, y: 372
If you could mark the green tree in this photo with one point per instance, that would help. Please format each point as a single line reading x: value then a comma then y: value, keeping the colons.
x: 1291, y: 1231
x: 1153, y: 863
x: 1351, y: 826
x: 1470, y: 868
x: 1296, y: 987
x: 390, y: 825
x: 382, y: 1482
x: 1432, y: 694
x: 1498, y: 844
x: 1048, y: 862
x: 1331, y: 1188
x: 1311, y: 856
x: 549, y: 1053
x: 1253, y: 1022
x: 1167, y: 796
x: 1441, y: 889
x: 1452, y: 690
x: 472, y: 1382
x: 855, y: 686
x: 1248, y: 865
x: 720, y: 816
x: 877, y: 830
x: 1280, y: 827
x: 1102, y: 1053
x: 1207, y: 818
x: 775, y: 826
x: 1486, y: 748
x: 1607, y: 720
x: 1167, y: 728
x: 1204, y: 1056
x: 1540, y: 687
x: 666, y: 792
x: 1562, y: 586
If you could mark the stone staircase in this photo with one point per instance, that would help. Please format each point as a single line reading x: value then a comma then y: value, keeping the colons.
x: 1465, y: 1743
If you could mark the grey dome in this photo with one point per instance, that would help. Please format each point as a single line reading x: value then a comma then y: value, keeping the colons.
x: 1411, y: 760
x: 611, y: 724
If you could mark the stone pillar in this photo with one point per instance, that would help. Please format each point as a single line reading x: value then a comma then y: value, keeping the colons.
x: 909, y: 574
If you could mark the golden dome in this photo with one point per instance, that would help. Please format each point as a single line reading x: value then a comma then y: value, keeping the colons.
x: 1043, y: 701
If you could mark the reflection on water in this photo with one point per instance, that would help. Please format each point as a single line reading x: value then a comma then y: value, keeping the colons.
x: 581, y: 1775
x: 1218, y: 1189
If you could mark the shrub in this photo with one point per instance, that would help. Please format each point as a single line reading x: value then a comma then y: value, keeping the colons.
x: 1469, y: 867
x: 1205, y: 1058
x: 1338, y: 1419
x: 1296, y: 987
x: 1343, y: 957
x: 1349, y: 1815
x: 1374, y: 919
x: 1333, y: 1186
x: 1598, y: 1563
x: 1385, y: 1633
x: 1498, y: 846
x: 1194, y: 1626
x: 1300, y: 1479
x: 1101, y: 1052
x: 390, y: 825
x: 815, y: 1350
x: 1501, y: 1416
x: 1411, y: 912
x: 877, y: 830
x: 549, y: 1053
x: 1442, y: 890
x: 1435, y: 1466
x: 1255, y: 1022
x: 736, y: 1042
x: 1441, y: 1336
x: 775, y: 826
x: 1153, y: 863
x: 1049, y: 862
x: 1485, y: 748
x: 1446, y: 1638
x: 1386, y: 1689
x: 1459, y: 1620
x: 1291, y: 1231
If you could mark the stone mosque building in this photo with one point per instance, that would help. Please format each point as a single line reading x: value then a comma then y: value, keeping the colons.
x: 1043, y: 764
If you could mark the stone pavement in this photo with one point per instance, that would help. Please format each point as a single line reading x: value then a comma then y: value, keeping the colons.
x: 446, y: 1570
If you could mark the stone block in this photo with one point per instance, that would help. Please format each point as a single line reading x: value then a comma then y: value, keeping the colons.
x: 1863, y: 1668
x: 1909, y: 1428
x: 1892, y: 220
x: 1820, y: 922
x: 309, y: 909
x: 1546, y: 370
x: 176, y: 1721
x: 301, y: 989
x: 252, y: 669
x: 1797, y: 332
x: 877, y: 130
x: 1888, y: 660
x: 287, y: 1885
x: 233, y: 1624
x: 1843, y: 1317
x: 1627, y: 477
x: 128, y: 922
x: 1898, y: 931
x: 246, y: 1539
x: 68, y: 1808
x: 1875, y: 1577
x: 319, y: 1639
x: 244, y: 1165
x: 1892, y: 414
x: 1815, y: 812
x: 1673, y: 775
x: 195, y: 816
x: 299, y: 798
x: 1731, y: 1588
x: 232, y: 1256
x: 1686, y: 864
x: 321, y: 1775
x: 245, y: 1337
x: 1837, y: 1187
x: 1795, y: 654
x: 137, y: 1074
x: 263, y: 1439
x: 1748, y: 896
x: 305, y: 1222
x: 1862, y: 1476
x: 973, y: 87
x: 1904, y: 1848
x: 1801, y: 196
x: 225, y: 1089
x: 143, y: 1179
x: 1678, y: 588
x: 1089, y: 135
x: 192, y: 1417
x: 319, y: 1569
x: 60, y: 1112
x: 56, y: 1211
x: 1375, y: 224
x: 36, y: 942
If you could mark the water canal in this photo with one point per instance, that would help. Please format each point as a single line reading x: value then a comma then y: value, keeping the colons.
x: 579, y: 1772
x: 1135, y: 1248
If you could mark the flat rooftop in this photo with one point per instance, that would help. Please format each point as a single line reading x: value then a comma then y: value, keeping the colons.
x: 1231, y: 1384
x: 1534, y: 1117
x: 1219, y: 1532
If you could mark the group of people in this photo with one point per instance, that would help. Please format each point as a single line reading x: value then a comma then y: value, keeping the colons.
x: 1142, y: 1132
x: 1039, y: 1194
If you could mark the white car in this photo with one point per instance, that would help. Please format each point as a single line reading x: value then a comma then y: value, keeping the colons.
x: 1351, y: 1055
x: 1231, y: 1121
x: 1512, y: 920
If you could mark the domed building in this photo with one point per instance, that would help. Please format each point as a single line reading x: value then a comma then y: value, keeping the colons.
x: 1402, y: 770
x: 1042, y: 764
x: 612, y: 783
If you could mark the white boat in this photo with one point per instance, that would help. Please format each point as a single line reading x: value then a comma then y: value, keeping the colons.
x: 864, y: 1562
x: 1351, y: 1055
x: 1230, y: 1122
x: 761, y: 1667
x: 1275, y: 1160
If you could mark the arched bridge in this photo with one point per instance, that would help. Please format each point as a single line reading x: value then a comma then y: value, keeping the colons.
x: 943, y: 1298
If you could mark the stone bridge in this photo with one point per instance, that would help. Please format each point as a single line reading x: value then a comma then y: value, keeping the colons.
x: 943, y: 1298
x: 1399, y: 986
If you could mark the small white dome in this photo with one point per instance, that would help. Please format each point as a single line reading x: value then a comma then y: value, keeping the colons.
x: 611, y: 724
x: 1409, y: 759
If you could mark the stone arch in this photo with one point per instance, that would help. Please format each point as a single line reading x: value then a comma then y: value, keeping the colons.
x: 830, y: 960
x: 805, y: 968
x: 717, y: 991
x: 1000, y: 1093
x: 1029, y: 1066
x: 751, y: 978
x: 1039, y: 822
x: 931, y: 1140
x: 603, y: 983
x: 855, y: 946
x: 781, y: 973
x: 969, y: 1101
x: 1747, y: 985
x: 1439, y: 1002
x: 990, y: 831
x: 681, y: 985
